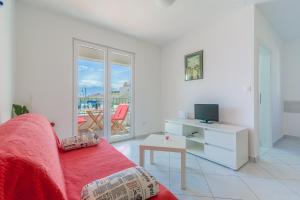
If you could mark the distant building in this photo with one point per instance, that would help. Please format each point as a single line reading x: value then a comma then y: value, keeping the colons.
x: 125, y: 90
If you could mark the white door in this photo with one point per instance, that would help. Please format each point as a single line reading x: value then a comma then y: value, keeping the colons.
x: 103, y: 91
x: 265, y: 126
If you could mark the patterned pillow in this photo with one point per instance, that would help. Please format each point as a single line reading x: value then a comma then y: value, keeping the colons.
x: 134, y: 183
x: 81, y: 141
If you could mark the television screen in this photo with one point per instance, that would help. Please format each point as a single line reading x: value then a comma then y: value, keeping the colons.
x: 207, y: 112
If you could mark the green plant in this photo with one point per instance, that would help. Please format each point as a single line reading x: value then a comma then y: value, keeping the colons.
x: 19, y: 109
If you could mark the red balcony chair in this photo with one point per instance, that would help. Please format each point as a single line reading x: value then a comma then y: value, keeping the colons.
x: 119, y: 116
x: 80, y: 122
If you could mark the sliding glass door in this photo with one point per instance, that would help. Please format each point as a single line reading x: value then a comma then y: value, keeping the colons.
x: 103, y: 94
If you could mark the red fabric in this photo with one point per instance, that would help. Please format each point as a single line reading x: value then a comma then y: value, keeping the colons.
x: 81, y: 120
x: 29, y: 160
x: 86, y: 165
x: 57, y: 140
x: 31, y: 167
x: 120, y: 112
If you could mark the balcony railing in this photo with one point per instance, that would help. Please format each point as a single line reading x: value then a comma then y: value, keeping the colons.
x: 85, y: 103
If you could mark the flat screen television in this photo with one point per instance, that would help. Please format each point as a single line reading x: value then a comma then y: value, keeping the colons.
x: 207, y: 112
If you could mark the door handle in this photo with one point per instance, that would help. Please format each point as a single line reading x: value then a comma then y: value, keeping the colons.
x: 259, y: 98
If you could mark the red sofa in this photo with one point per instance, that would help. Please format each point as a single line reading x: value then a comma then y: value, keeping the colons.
x: 32, y: 167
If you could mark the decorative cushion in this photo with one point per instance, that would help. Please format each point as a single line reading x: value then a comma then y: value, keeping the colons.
x: 134, y: 183
x: 81, y: 141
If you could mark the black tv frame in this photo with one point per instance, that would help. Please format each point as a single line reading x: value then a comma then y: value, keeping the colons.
x: 209, y: 107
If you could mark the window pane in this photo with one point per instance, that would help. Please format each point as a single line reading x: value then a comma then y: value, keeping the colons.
x: 90, y: 90
x: 120, y: 94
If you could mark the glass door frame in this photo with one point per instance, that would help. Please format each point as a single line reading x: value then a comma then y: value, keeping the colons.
x: 131, y: 106
x: 107, y: 88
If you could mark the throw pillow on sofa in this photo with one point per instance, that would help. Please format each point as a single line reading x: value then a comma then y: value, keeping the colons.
x: 133, y: 183
x: 81, y: 141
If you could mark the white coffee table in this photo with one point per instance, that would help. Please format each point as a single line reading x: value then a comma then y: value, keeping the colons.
x: 160, y: 143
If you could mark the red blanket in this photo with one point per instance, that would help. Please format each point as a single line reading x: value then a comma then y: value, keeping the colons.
x: 29, y: 160
x: 31, y: 167
x: 86, y: 165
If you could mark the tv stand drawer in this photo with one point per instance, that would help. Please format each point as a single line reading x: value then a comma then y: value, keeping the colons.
x: 220, y: 155
x: 220, y: 139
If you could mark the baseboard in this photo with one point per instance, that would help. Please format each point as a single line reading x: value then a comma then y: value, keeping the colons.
x: 291, y: 137
x: 253, y: 159
x: 147, y: 134
x: 136, y: 137
x: 278, y: 140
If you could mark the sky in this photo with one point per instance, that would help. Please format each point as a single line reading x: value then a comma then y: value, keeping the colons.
x: 91, y: 76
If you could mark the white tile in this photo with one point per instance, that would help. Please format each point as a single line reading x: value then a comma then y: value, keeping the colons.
x: 223, y: 199
x: 209, y: 167
x: 158, y: 154
x: 263, y: 150
x: 269, y: 189
x: 159, y: 164
x: 133, y: 158
x: 287, y: 155
x: 188, y: 197
x: 253, y: 169
x: 290, y: 158
x: 269, y: 159
x: 188, y: 155
x: 195, y: 184
x: 192, y: 165
x: 128, y: 150
x: 281, y: 171
x: 288, y: 145
x: 281, y: 162
x: 292, y: 185
x: 277, y: 152
x: 229, y: 187
x: 286, y: 151
x: 162, y: 177
x: 295, y: 167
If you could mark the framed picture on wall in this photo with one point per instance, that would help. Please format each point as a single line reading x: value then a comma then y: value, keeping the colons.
x: 194, y: 66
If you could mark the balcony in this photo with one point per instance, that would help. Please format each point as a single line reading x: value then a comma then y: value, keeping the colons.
x: 91, y: 116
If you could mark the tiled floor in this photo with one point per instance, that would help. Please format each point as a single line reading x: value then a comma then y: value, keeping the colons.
x: 275, y: 177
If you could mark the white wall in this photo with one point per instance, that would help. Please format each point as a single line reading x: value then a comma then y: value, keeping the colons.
x: 45, y: 59
x: 265, y: 35
x: 6, y: 59
x: 291, y: 85
x: 228, y: 48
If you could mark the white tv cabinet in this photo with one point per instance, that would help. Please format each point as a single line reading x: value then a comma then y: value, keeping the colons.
x: 220, y: 143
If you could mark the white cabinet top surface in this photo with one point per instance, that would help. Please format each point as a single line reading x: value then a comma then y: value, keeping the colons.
x: 214, y: 126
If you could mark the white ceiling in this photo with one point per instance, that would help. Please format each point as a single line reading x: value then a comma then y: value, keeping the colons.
x: 143, y: 18
x: 284, y: 15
